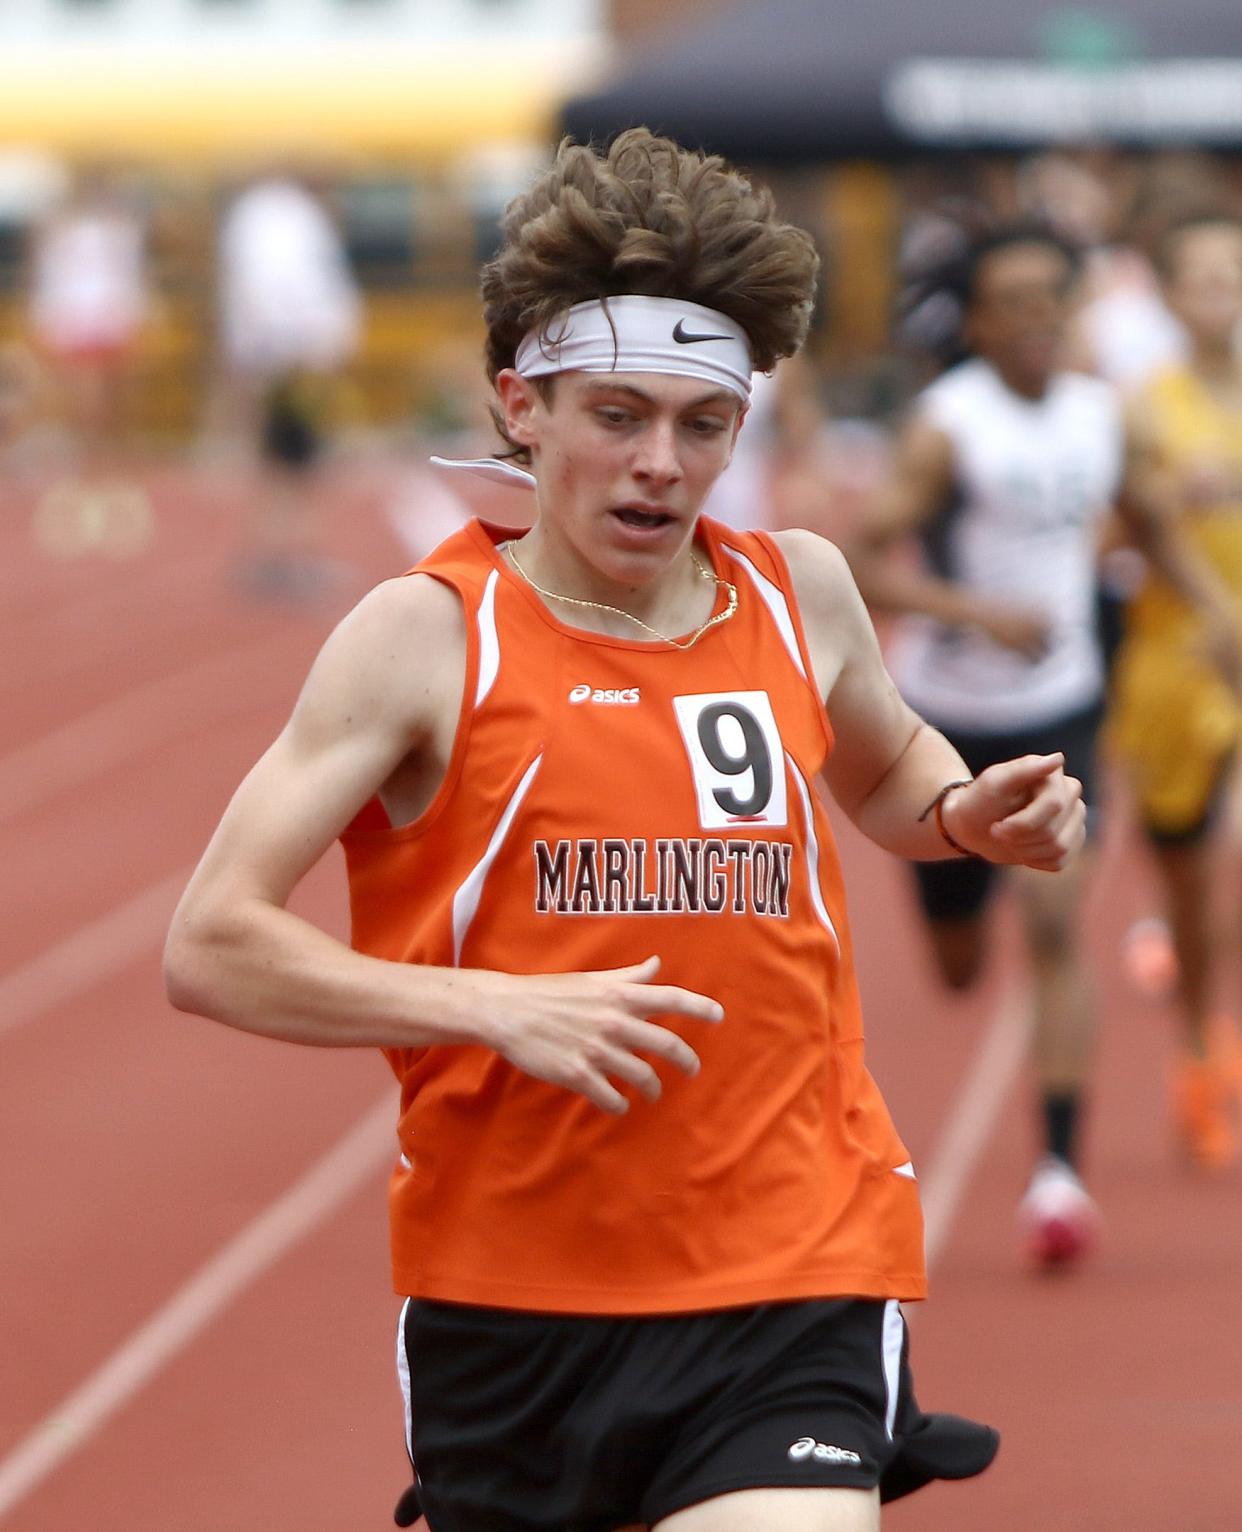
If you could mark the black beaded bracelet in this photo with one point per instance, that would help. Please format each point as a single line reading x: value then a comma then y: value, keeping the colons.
x: 936, y: 806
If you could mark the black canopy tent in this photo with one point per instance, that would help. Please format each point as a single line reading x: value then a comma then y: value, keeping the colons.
x: 799, y: 81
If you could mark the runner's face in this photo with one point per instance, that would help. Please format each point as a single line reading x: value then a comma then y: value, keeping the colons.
x: 1017, y: 316
x: 1204, y: 287
x: 624, y: 460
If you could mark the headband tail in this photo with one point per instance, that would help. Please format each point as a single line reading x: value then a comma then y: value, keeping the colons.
x: 493, y: 468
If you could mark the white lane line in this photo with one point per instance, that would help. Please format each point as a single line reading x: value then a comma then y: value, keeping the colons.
x: 125, y: 727
x: 310, y: 1202
x: 92, y: 953
x: 971, y: 1119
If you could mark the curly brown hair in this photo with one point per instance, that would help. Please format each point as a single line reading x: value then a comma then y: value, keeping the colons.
x: 648, y: 217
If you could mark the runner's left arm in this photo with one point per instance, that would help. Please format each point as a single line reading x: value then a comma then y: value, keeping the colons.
x: 887, y: 765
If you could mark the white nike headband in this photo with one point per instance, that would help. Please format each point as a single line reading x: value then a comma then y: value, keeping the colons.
x: 630, y: 333
x: 639, y: 334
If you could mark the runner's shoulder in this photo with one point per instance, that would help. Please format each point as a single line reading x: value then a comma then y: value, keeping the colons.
x: 412, y: 609
x: 823, y: 583
x: 398, y: 654
x: 816, y: 565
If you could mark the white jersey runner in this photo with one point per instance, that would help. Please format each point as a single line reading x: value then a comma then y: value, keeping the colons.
x: 1033, y: 479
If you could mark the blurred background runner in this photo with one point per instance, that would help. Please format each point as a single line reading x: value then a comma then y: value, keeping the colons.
x: 1176, y: 719
x: 290, y: 317
x: 1007, y: 472
x: 89, y: 300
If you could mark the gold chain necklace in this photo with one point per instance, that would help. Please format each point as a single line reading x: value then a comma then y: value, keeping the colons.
x: 619, y: 611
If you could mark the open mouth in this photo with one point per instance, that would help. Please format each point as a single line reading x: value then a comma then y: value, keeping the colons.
x: 644, y: 520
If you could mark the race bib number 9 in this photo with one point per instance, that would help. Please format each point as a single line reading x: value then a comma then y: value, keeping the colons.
x: 736, y: 758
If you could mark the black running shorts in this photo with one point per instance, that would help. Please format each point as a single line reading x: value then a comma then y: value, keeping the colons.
x: 292, y: 433
x: 547, y: 1423
x: 958, y: 889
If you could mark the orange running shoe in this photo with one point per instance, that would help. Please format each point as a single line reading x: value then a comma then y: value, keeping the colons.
x: 1225, y: 1051
x: 1201, y: 1101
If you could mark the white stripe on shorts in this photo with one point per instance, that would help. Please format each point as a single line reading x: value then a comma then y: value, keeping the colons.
x: 893, y: 1335
x: 403, y: 1377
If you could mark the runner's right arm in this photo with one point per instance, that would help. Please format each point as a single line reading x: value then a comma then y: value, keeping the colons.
x: 917, y: 485
x: 237, y: 955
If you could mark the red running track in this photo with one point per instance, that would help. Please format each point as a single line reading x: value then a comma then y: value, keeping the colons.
x: 197, y: 1334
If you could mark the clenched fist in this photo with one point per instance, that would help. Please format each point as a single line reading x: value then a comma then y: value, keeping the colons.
x: 1024, y: 812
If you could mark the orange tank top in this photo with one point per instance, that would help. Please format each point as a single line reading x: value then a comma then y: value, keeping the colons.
x: 608, y: 799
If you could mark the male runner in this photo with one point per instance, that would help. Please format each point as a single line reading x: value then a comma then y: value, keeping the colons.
x: 291, y: 318
x: 1006, y: 470
x: 650, y: 1214
x: 1176, y: 718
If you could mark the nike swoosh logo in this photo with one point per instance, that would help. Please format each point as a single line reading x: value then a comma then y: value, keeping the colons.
x: 685, y: 337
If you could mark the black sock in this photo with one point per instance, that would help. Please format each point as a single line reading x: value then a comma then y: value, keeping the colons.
x: 1061, y: 1112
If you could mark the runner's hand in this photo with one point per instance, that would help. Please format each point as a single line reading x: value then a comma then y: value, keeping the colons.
x: 585, y: 1030
x: 1026, y: 632
x: 1025, y: 812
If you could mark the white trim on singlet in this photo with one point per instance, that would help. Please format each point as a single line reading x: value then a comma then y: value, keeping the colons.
x: 812, y: 853
x: 777, y: 603
x: 403, y: 1377
x: 489, y: 639
x: 893, y: 1335
x: 466, y: 899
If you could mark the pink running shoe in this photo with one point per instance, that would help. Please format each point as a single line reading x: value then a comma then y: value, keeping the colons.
x: 1057, y: 1219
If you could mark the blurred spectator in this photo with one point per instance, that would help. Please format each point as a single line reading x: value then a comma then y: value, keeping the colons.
x: 288, y: 299
x: 19, y: 388
x: 290, y: 319
x: 946, y: 208
x: 89, y: 298
x: 1114, y: 209
x: 1124, y: 331
x: 778, y: 456
x: 1119, y: 210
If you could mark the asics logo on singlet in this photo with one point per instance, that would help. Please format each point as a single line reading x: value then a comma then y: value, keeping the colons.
x: 616, y: 696
x: 807, y: 1447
